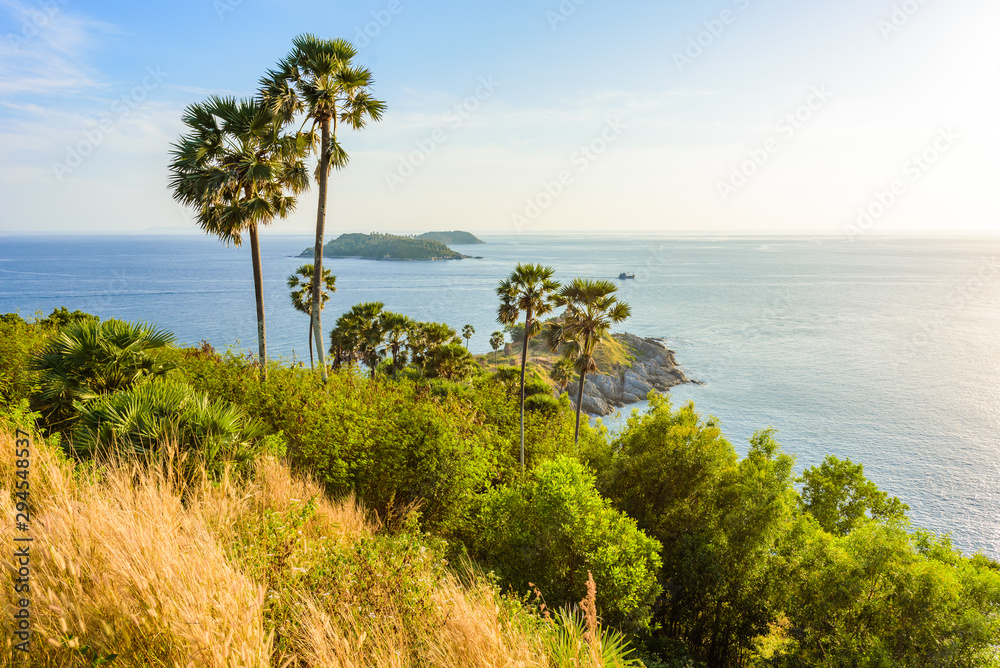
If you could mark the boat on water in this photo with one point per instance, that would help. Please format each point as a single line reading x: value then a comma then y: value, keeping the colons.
x: 622, y: 276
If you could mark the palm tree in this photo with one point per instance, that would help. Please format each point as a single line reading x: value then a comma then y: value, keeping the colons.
x: 396, y: 326
x: 239, y: 173
x: 87, y: 359
x: 496, y: 342
x: 302, y: 297
x: 318, y: 80
x: 467, y: 333
x: 364, y: 320
x: 591, y: 309
x: 562, y: 373
x: 528, y: 289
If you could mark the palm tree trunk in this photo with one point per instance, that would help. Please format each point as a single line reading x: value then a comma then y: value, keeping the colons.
x: 324, y: 175
x: 524, y: 363
x: 311, y: 365
x: 579, y: 406
x: 258, y: 285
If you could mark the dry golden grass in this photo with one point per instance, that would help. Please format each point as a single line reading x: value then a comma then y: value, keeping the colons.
x: 128, y: 562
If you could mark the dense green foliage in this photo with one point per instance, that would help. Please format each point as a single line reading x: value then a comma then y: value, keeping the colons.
x: 86, y: 359
x: 552, y: 529
x: 701, y: 556
x: 386, y: 247
x: 138, y: 420
x: 454, y: 237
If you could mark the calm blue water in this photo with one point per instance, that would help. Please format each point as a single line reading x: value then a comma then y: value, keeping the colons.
x: 882, y: 350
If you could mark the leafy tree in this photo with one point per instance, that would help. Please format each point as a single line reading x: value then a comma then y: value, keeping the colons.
x: 467, y: 333
x: 238, y: 172
x: 62, y: 316
x: 839, y: 496
x: 527, y: 290
x: 721, y: 521
x: 87, y: 359
x: 496, y: 342
x: 591, y: 310
x: 318, y: 80
x: 881, y: 596
x: 300, y: 283
x: 550, y: 530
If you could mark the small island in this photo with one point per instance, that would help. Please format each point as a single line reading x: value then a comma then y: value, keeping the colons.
x: 455, y: 237
x: 386, y: 247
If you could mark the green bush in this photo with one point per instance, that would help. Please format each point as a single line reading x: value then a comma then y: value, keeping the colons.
x: 19, y: 343
x: 550, y: 530
x: 158, y: 413
x: 87, y: 359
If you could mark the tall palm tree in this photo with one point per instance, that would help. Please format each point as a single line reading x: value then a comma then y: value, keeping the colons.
x: 317, y: 80
x: 496, y: 342
x: 238, y: 172
x: 591, y: 310
x: 527, y: 290
x: 467, y: 333
x: 302, y: 296
x: 396, y: 326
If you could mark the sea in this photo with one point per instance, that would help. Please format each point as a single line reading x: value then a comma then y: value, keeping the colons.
x: 884, y: 350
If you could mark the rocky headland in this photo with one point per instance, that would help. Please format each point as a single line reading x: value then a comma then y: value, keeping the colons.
x: 653, y: 367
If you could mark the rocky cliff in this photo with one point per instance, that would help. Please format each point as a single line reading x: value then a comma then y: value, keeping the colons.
x: 654, y: 367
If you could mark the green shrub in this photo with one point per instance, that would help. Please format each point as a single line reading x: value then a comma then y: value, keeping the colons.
x: 87, y: 359
x: 143, y: 419
x: 19, y: 342
x: 554, y: 528
x: 543, y: 403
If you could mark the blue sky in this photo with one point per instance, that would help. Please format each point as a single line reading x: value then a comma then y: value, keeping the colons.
x: 725, y: 116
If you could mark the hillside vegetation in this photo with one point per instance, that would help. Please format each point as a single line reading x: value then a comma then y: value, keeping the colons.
x: 197, y: 515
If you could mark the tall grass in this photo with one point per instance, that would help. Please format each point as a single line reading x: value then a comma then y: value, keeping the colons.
x: 135, y: 565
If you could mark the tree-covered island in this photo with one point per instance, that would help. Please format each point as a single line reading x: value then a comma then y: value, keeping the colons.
x: 387, y: 247
x: 454, y: 237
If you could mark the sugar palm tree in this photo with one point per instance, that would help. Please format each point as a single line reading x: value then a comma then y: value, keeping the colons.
x: 364, y: 322
x: 238, y: 172
x: 591, y: 310
x: 301, y: 285
x: 396, y: 326
x: 496, y: 342
x: 317, y: 80
x: 562, y: 373
x: 527, y: 290
x: 467, y: 333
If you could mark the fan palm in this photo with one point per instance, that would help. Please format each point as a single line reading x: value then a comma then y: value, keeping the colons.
x: 302, y: 296
x: 317, y: 80
x: 591, y: 310
x: 496, y: 342
x: 467, y: 333
x: 527, y: 290
x: 238, y: 172
x: 396, y: 326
